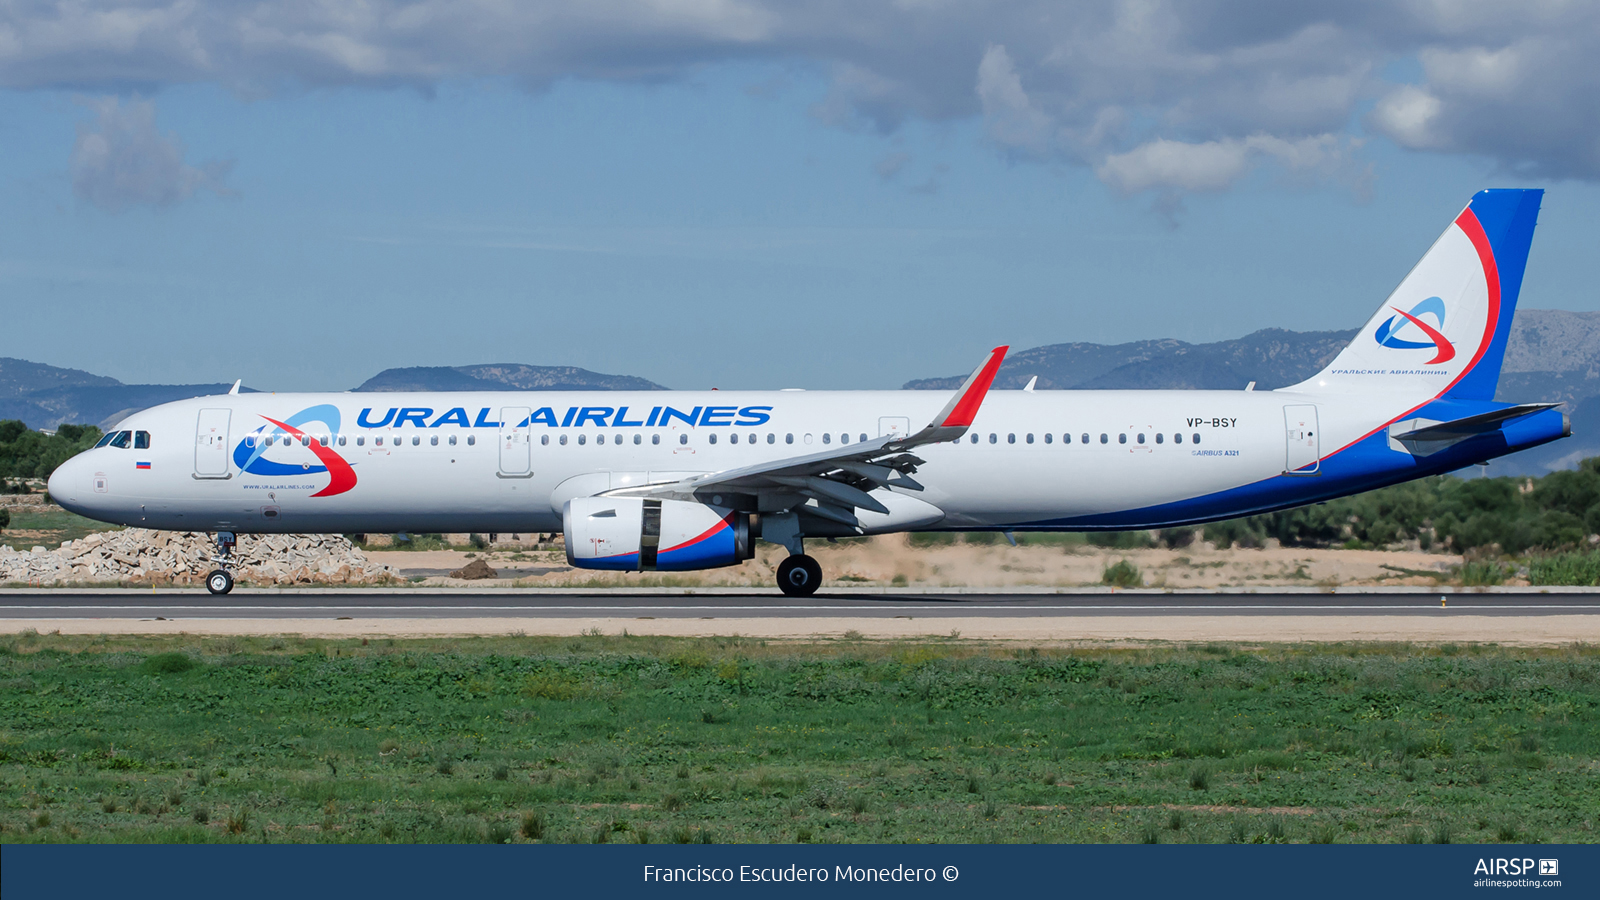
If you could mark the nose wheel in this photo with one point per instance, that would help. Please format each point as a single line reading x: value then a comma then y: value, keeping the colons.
x: 219, y: 582
x: 799, y: 576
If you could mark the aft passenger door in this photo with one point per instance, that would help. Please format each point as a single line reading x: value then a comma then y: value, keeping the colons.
x: 211, y: 443
x: 516, y: 450
x: 1304, y: 446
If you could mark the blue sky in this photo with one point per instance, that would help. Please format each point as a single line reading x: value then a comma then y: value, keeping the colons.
x: 751, y: 219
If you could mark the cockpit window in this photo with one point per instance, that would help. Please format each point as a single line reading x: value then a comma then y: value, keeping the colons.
x: 106, y: 440
x: 121, y: 439
x: 141, y: 440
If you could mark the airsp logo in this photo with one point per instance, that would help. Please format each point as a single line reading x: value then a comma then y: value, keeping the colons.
x: 1502, y: 866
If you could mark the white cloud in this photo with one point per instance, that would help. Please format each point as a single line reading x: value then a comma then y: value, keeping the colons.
x: 1086, y: 82
x: 122, y: 160
x: 1010, y: 118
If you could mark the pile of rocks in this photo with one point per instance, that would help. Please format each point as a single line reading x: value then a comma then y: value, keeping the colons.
x: 168, y: 557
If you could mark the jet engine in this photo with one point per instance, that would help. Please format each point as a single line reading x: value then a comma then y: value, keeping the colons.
x: 632, y: 534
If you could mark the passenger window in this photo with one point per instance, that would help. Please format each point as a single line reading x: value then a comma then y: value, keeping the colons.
x: 453, y: 439
x: 342, y: 439
x: 788, y: 438
x: 1177, y: 438
x: 844, y: 438
x: 323, y: 440
x: 563, y: 440
x: 305, y: 440
x: 655, y: 438
x: 582, y: 439
x: 683, y: 439
x: 1159, y: 438
x: 807, y: 439
x: 772, y: 438
x: 433, y: 440
x: 638, y: 439
x: 249, y: 441
x: 471, y: 439
x: 863, y: 437
x: 1104, y: 439
x: 1030, y: 437
x: 1047, y: 438
x: 544, y: 439
x: 713, y: 437
x: 378, y: 441
x: 827, y: 438
x: 416, y: 440
x: 994, y: 438
x: 1141, y: 437
x: 1011, y: 438
x: 598, y: 439
x: 141, y: 440
x: 361, y: 442
x: 974, y: 438
x: 1086, y: 438
x: 1196, y: 438
x: 1122, y: 438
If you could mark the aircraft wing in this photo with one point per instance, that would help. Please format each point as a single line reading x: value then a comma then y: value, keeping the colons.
x: 839, y: 479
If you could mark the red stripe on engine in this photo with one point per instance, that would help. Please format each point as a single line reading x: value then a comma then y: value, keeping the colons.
x: 724, y: 522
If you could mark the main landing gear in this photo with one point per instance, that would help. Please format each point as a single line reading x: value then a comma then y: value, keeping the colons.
x: 799, y: 575
x: 220, y: 581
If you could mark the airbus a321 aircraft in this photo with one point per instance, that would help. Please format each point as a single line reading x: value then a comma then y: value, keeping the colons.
x: 689, y: 480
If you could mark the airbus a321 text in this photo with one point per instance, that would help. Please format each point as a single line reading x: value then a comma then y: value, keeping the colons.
x: 672, y: 481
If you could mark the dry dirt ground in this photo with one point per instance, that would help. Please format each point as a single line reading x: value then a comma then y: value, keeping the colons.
x: 892, y: 560
x: 1039, y: 631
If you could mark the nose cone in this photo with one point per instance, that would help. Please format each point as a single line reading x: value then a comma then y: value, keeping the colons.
x: 72, y: 484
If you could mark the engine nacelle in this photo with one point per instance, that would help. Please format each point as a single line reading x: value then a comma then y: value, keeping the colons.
x: 631, y: 534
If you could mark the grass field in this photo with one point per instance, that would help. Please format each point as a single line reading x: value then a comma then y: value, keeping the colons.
x: 616, y: 738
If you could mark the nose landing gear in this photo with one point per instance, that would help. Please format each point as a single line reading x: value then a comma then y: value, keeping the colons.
x: 799, y: 576
x: 220, y: 581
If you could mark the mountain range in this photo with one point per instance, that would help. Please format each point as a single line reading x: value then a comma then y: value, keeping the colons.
x: 1552, y: 355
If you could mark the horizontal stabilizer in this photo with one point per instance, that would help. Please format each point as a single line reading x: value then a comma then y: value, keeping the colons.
x: 1420, y: 437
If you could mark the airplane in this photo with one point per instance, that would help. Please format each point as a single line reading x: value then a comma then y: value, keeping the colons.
x: 676, y: 481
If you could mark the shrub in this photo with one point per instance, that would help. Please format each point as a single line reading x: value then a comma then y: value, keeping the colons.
x: 5, y: 518
x: 167, y: 664
x: 1121, y: 540
x: 532, y: 826
x: 1565, y: 568
x: 1199, y: 778
x: 1122, y: 574
x: 1481, y: 573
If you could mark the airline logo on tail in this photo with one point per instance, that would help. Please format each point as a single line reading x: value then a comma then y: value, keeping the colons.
x: 1388, y: 334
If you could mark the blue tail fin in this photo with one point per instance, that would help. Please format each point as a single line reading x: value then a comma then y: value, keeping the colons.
x: 1442, y: 333
x: 1507, y: 218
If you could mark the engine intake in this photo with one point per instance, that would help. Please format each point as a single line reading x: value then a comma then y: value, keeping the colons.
x: 631, y: 534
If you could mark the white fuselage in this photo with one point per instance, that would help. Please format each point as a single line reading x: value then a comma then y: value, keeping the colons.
x: 456, y: 463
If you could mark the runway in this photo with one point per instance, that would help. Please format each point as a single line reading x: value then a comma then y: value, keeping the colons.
x: 461, y: 604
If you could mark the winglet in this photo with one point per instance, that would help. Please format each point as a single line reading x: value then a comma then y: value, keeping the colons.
x: 952, y: 421
x: 235, y: 388
x: 963, y: 407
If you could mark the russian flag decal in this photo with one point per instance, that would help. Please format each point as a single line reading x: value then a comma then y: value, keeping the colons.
x: 141, y: 465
